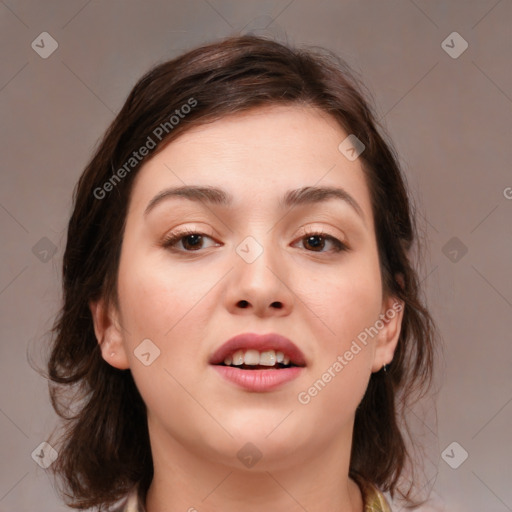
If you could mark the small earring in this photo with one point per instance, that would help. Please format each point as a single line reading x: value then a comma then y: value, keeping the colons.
x: 385, y: 368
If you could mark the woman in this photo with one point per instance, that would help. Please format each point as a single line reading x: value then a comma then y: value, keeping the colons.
x: 241, y: 326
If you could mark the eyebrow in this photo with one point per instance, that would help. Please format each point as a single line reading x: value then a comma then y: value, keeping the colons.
x: 218, y: 196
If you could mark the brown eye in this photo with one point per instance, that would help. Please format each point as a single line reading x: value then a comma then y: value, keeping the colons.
x: 316, y: 242
x: 192, y: 242
x: 185, y: 241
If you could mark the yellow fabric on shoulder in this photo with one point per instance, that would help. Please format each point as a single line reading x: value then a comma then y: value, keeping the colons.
x: 376, y: 502
x: 373, y: 499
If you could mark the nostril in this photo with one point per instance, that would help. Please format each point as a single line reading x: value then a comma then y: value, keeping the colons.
x: 243, y: 303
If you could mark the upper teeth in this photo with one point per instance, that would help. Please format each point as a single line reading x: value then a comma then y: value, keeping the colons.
x: 254, y: 358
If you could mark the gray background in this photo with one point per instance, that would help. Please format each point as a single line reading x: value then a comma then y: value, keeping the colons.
x: 450, y: 119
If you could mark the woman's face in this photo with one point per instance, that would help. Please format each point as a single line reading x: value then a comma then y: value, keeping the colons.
x: 257, y: 267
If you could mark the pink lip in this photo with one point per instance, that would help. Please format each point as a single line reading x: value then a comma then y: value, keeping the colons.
x: 259, y: 380
x: 259, y: 342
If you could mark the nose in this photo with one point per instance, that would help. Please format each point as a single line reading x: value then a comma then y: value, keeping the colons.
x: 260, y: 281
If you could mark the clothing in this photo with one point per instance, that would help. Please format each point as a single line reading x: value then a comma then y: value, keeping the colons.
x: 373, y: 499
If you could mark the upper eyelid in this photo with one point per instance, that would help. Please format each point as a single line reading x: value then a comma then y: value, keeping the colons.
x: 304, y: 232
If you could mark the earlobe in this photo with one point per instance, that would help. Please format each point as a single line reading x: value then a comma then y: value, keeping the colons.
x: 109, y: 334
x: 386, y: 342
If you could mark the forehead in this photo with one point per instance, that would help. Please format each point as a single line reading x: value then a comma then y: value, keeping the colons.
x: 286, y: 133
x: 259, y: 154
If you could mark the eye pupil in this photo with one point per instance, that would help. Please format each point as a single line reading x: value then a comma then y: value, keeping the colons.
x: 319, y: 241
x: 196, y: 240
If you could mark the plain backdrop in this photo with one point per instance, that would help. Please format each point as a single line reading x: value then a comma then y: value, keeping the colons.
x: 441, y: 76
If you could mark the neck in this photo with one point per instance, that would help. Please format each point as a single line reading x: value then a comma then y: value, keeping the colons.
x: 185, y: 480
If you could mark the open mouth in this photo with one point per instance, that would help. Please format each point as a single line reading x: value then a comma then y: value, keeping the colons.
x: 276, y: 366
x: 258, y: 363
x: 255, y: 360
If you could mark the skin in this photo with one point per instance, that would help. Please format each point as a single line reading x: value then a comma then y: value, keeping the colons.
x: 188, y: 304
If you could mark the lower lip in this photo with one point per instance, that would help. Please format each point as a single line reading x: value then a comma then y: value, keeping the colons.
x: 259, y: 380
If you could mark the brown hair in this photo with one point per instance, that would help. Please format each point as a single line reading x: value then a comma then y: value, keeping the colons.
x: 104, y: 450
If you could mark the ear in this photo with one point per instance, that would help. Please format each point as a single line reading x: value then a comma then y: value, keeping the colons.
x: 387, y: 338
x: 109, y: 334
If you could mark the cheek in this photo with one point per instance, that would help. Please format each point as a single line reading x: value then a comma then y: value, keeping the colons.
x: 156, y: 296
x: 345, y: 301
x: 345, y: 304
x: 164, y: 305
x: 172, y: 306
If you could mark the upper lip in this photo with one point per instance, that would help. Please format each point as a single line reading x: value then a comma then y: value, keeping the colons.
x: 260, y: 342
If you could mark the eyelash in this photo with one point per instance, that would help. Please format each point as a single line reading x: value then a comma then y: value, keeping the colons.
x: 171, y: 240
